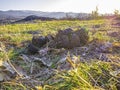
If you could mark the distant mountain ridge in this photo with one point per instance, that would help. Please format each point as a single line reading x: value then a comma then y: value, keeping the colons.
x: 24, y: 13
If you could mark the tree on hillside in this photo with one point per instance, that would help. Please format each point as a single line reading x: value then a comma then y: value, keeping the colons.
x: 95, y: 13
x: 116, y: 12
x: 68, y: 16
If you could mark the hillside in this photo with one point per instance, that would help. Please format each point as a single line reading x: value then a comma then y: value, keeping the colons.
x: 32, y: 18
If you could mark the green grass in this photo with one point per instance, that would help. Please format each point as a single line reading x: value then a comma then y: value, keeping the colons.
x: 92, y: 76
x: 16, y: 33
x: 86, y: 76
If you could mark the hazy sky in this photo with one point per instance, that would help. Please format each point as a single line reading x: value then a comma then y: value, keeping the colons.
x: 105, y: 6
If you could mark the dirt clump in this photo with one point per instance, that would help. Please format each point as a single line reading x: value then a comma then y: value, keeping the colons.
x: 39, y: 41
x: 70, y: 39
x: 83, y: 36
x: 32, y: 49
x: 67, y: 39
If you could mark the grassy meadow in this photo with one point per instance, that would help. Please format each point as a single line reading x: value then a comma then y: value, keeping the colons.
x: 94, y: 74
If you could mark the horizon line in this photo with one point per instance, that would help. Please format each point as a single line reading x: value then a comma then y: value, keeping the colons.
x: 51, y: 11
